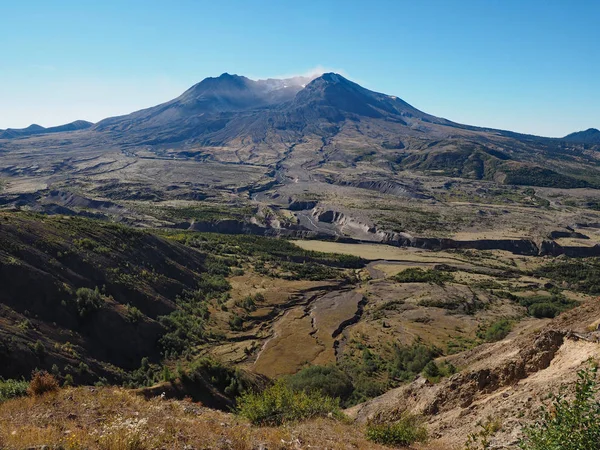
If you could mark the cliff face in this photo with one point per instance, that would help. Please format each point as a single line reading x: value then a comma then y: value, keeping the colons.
x: 316, y: 222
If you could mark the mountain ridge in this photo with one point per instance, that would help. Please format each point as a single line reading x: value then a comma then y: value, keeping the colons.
x: 34, y: 129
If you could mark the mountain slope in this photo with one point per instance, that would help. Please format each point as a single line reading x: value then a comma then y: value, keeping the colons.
x: 55, y: 265
x: 589, y: 136
x: 506, y: 381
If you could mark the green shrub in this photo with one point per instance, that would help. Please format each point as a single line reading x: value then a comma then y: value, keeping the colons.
x: 496, y: 331
x: 133, y: 314
x: 544, y: 310
x: 546, y: 306
x: 88, y: 301
x: 417, y: 275
x: 431, y: 370
x: 185, y: 326
x: 12, y: 389
x: 409, y: 360
x: 39, y: 349
x: 279, y: 404
x: 569, y: 424
x: 540, y: 176
x: 328, y: 381
x: 236, y: 323
x: 403, y: 433
x: 228, y: 380
x: 435, y: 372
x: 582, y: 274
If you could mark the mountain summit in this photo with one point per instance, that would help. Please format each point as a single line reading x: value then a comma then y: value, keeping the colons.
x: 334, y: 91
x: 206, y: 101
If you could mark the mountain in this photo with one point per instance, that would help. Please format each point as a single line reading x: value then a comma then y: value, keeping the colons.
x: 240, y: 105
x: 325, y: 124
x: 203, y: 107
x: 343, y: 96
x: 34, y: 129
x: 589, y: 136
x: 230, y: 109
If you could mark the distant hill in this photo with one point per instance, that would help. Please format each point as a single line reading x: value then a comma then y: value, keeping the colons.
x: 589, y: 136
x: 34, y: 129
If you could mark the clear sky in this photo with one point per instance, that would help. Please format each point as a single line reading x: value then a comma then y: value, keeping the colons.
x: 525, y: 65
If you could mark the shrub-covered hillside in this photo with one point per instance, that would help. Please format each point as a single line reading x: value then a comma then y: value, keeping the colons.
x: 87, y: 299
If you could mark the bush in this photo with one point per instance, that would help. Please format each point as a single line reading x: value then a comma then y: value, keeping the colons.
x: 582, y: 274
x: 42, y: 382
x: 409, y: 360
x: 279, y: 404
x: 417, y: 275
x: 547, y: 306
x: 544, y: 310
x: 236, y: 323
x: 185, y: 325
x: 431, y: 370
x: 434, y: 372
x: 328, y: 381
x: 228, y: 380
x: 39, y: 349
x: 88, y: 301
x: 569, y: 424
x: 372, y: 373
x: 133, y: 314
x: 12, y: 389
x: 403, y: 433
x: 496, y: 331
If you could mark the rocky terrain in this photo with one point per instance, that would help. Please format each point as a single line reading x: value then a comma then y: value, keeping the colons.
x: 506, y: 381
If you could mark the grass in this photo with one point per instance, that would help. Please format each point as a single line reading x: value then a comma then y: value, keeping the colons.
x: 109, y: 418
x: 281, y: 404
x: 402, y: 433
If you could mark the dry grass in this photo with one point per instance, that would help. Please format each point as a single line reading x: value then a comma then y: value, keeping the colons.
x: 378, y: 251
x: 291, y: 346
x: 117, y: 419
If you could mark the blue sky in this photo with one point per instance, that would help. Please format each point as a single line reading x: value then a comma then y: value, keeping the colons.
x: 530, y: 66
